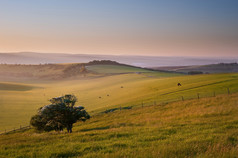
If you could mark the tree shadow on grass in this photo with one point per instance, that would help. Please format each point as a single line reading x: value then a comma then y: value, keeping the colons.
x: 96, y: 128
x: 65, y: 154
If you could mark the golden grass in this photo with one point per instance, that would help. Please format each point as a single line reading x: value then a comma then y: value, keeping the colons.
x: 18, y: 106
x: 194, y: 128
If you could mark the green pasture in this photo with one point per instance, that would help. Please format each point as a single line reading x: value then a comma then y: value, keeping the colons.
x: 102, y: 93
x: 202, y: 128
x: 104, y: 69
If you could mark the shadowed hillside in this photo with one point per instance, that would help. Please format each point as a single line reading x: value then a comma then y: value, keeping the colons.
x: 15, y: 87
x: 40, y: 72
x: 214, y: 68
x: 57, y: 72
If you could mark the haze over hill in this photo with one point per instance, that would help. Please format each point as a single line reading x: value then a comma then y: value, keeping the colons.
x: 142, y: 61
x: 198, y: 69
x: 69, y: 71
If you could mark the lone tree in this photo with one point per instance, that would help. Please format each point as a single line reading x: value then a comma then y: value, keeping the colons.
x: 60, y: 114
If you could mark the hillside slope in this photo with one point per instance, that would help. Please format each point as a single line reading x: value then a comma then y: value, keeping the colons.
x: 213, y: 68
x: 39, y: 72
x: 25, y: 88
x: 102, y: 93
x: 141, y: 61
x: 196, y: 128
x: 68, y: 71
x: 4, y: 86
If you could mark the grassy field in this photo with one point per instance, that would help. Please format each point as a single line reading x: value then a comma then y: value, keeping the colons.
x: 115, y: 69
x: 120, y: 69
x: 15, y: 87
x: 98, y: 94
x: 194, y: 128
x: 212, y: 68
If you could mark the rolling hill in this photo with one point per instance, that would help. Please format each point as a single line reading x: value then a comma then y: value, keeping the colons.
x: 104, y: 87
x: 49, y: 72
x: 39, y: 72
x: 154, y: 121
x: 32, y: 86
x: 141, y: 61
x: 212, y: 68
x: 195, y: 128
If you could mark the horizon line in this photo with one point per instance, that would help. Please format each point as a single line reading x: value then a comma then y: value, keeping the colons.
x: 138, y: 55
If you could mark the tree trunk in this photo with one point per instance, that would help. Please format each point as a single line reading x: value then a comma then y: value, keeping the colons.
x: 69, y: 128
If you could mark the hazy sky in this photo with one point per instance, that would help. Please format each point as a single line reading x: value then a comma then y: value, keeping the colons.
x: 143, y: 27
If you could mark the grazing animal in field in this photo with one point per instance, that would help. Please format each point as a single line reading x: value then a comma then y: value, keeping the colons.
x: 179, y: 84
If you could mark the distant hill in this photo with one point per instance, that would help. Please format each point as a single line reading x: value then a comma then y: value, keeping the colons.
x: 19, y: 72
x: 198, y: 69
x: 141, y: 61
x: 92, y: 69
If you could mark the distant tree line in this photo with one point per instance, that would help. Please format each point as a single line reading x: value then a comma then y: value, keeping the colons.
x: 195, y: 72
x: 103, y: 62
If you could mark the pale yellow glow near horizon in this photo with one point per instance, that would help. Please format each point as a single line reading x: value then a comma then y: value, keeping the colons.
x: 114, y: 46
x: 154, y: 28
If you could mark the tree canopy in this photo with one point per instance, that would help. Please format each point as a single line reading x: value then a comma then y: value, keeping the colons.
x: 60, y: 114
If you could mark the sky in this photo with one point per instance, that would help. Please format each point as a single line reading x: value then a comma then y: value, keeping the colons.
x: 121, y: 27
